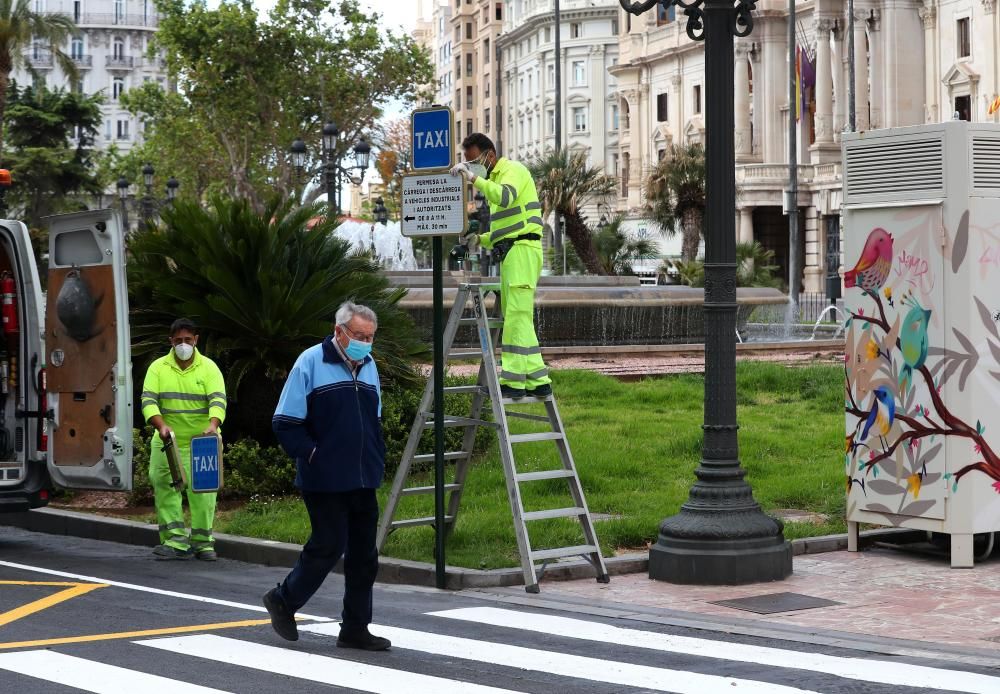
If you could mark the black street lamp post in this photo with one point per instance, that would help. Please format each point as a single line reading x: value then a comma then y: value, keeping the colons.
x: 147, y: 200
x: 380, y: 212
x: 332, y: 169
x: 720, y: 535
x: 123, y: 186
x: 172, y: 185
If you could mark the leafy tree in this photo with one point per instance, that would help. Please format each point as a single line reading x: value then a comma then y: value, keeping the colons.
x: 20, y: 26
x: 617, y: 251
x: 263, y: 287
x: 47, y: 168
x: 755, y: 267
x: 247, y: 87
x: 393, y: 160
x: 566, y: 185
x: 675, y: 193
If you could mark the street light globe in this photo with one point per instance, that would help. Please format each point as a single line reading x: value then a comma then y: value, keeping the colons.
x: 122, y: 187
x: 298, y: 150
x: 330, y: 134
x: 362, y: 153
x: 172, y: 185
x: 147, y: 175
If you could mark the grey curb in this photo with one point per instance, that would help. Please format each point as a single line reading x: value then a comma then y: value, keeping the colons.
x: 272, y: 553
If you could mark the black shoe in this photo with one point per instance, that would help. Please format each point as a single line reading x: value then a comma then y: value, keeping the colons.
x: 362, y: 639
x: 282, y: 620
x: 542, y: 391
x: 166, y: 552
x: 207, y: 555
x: 511, y: 392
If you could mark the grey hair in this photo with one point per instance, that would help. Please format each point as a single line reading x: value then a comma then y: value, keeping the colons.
x: 349, y: 309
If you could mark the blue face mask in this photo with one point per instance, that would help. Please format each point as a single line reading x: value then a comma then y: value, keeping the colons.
x: 357, y: 350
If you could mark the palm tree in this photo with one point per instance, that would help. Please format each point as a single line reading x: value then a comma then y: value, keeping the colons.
x: 20, y: 27
x: 263, y: 286
x: 565, y: 185
x: 617, y: 250
x: 675, y: 193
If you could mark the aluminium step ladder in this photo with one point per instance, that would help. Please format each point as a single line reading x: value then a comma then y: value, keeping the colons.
x: 488, y: 387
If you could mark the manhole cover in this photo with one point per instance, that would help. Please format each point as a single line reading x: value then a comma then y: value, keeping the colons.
x: 776, y: 602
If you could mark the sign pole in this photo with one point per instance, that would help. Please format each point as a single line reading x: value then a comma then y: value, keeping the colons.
x: 439, y: 525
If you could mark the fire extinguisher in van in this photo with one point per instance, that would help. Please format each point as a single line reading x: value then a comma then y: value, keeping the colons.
x: 9, y: 291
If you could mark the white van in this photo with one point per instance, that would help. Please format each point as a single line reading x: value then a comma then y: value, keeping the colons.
x: 65, y: 366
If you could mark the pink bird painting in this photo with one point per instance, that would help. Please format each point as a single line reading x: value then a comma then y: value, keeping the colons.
x: 872, y: 268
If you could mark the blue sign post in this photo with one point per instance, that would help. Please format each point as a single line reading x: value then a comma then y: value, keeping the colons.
x: 206, y: 463
x: 433, y: 146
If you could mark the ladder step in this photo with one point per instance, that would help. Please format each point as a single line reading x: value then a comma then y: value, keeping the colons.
x: 558, y: 552
x: 544, y: 475
x: 449, y: 455
x: 464, y: 389
x: 540, y: 436
x: 571, y: 512
x: 428, y: 490
x: 460, y: 422
x: 525, y: 415
x: 493, y: 322
x: 476, y: 354
x: 411, y: 522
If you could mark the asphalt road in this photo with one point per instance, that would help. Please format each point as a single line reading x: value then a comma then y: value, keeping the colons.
x: 81, y: 615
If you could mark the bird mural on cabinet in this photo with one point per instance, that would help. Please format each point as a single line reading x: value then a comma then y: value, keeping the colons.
x: 881, y: 415
x: 913, y: 343
x: 872, y: 269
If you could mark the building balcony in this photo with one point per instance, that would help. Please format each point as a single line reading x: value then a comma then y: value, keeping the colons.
x: 42, y: 60
x: 151, y: 63
x: 85, y: 19
x: 120, y: 62
x: 83, y: 61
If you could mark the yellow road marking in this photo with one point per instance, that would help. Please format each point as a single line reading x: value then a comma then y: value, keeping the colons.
x: 134, y: 634
x: 75, y: 589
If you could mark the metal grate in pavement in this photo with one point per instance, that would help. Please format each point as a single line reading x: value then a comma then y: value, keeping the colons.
x: 776, y: 602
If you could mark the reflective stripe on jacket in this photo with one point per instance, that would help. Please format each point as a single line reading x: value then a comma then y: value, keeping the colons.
x: 186, y: 398
x: 514, y: 206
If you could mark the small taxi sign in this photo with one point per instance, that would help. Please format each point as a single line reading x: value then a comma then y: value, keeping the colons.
x: 433, y: 146
x: 206, y: 463
x: 433, y: 205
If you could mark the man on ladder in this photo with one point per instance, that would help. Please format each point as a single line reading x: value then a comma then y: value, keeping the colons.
x: 515, y: 236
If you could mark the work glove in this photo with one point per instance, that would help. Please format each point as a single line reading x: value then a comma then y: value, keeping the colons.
x: 462, y: 169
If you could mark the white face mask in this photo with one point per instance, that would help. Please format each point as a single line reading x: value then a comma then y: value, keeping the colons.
x: 184, y: 351
x: 477, y: 169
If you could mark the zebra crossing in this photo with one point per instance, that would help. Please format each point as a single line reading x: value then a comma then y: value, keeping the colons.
x: 521, y: 651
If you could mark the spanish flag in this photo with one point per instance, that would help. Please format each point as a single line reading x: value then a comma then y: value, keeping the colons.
x: 994, y: 106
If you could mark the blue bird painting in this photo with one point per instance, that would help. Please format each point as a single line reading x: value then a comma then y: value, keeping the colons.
x: 881, y: 415
x: 913, y: 344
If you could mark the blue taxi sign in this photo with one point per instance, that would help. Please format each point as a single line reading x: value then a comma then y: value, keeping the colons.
x: 433, y: 145
x: 206, y: 463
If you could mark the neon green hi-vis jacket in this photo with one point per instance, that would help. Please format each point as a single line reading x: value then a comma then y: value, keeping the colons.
x: 188, y: 398
x: 514, y: 206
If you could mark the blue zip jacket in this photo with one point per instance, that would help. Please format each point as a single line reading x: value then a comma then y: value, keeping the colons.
x: 330, y: 422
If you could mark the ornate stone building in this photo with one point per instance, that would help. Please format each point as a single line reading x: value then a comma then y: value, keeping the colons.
x: 915, y: 62
x: 109, y: 49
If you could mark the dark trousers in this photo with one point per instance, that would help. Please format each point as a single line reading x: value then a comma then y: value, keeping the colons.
x: 343, y: 524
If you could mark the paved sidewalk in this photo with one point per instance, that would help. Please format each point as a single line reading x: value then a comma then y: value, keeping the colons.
x: 885, y: 593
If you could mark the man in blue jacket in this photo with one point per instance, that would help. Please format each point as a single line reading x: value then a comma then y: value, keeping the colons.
x: 329, y: 420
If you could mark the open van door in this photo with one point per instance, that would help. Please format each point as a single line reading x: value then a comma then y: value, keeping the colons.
x: 89, y: 358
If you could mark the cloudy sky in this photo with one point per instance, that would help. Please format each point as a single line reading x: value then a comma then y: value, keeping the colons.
x: 400, y: 13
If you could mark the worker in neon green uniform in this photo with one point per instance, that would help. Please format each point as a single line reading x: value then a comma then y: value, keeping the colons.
x: 183, y: 393
x: 516, y: 235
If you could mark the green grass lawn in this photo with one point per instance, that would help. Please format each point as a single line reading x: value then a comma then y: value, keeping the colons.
x: 636, y: 446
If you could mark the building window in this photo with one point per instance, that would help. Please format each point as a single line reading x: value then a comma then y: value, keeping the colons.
x: 697, y: 98
x: 117, y: 87
x: 107, y: 130
x: 468, y: 65
x: 486, y: 51
x: 123, y: 130
x: 468, y: 97
x: 77, y: 10
x: 614, y: 116
x: 520, y: 86
x: 458, y: 99
x: 468, y: 125
x: 119, y: 13
x: 548, y: 34
x: 486, y: 87
x: 486, y: 15
x: 551, y: 77
x: 579, y: 119
x: 663, y: 107
x: 118, y: 50
x: 550, y: 122
x: 625, y: 171
x: 964, y: 42
x: 468, y: 30
x: 579, y: 73
x: 78, y: 86
x: 963, y: 107
x: 531, y: 127
x: 499, y: 11
x: 665, y: 15
x: 486, y: 120
x: 76, y: 48
x: 458, y: 68
x: 575, y: 30
x: 458, y: 130
x: 614, y: 27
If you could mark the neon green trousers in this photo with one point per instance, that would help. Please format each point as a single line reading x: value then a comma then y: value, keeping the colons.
x: 169, y: 510
x: 521, y: 363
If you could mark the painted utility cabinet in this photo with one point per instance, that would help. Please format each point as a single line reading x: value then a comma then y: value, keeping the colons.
x: 922, y: 364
